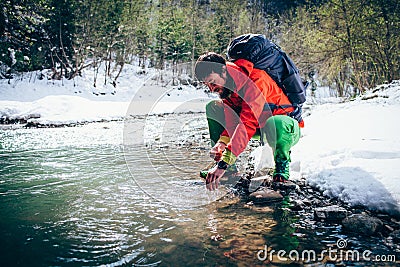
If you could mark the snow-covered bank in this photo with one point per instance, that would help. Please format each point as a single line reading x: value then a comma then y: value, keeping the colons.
x: 77, y: 101
x: 352, y: 150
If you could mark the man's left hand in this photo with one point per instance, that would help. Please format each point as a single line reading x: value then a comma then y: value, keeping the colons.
x: 213, y: 177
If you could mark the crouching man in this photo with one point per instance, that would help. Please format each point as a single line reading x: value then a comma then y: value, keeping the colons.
x: 251, y: 103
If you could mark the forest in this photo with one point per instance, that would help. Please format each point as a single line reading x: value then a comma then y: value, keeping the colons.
x: 348, y: 45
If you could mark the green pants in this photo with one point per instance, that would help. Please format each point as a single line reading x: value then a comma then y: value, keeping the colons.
x: 281, y: 132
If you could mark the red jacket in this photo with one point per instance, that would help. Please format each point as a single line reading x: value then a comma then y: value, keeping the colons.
x: 244, y: 109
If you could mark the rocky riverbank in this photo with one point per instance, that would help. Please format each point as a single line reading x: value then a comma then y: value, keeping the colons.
x: 357, y: 226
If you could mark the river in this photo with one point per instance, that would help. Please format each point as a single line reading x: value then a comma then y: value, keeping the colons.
x: 105, y: 194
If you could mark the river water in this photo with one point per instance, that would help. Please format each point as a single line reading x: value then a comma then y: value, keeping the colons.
x: 99, y: 194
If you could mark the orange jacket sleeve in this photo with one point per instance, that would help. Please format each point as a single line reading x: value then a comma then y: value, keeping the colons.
x: 252, y: 105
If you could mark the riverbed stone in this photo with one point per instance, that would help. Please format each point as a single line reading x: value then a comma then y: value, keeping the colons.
x: 265, y: 195
x: 257, y: 242
x: 395, y: 236
x: 363, y: 224
x: 307, y: 202
x: 225, y: 244
x: 193, y: 243
x: 297, y: 205
x: 330, y: 213
x: 169, y: 249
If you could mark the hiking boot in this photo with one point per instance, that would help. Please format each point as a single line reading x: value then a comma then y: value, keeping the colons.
x: 265, y: 195
x: 280, y: 183
x: 281, y: 169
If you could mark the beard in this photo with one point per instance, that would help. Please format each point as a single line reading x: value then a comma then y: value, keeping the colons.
x: 225, y: 93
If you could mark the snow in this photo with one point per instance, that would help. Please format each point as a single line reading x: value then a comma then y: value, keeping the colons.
x: 352, y: 151
x: 69, y: 101
x: 349, y: 150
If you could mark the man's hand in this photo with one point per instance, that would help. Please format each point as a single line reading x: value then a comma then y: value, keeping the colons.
x: 213, y: 177
x: 216, y: 151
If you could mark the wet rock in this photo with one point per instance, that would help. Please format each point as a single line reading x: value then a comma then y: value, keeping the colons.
x: 297, y: 205
x: 286, y: 186
x: 363, y: 224
x: 169, y: 249
x: 241, y: 254
x: 383, y: 217
x: 257, y: 242
x: 388, y: 228
x: 307, y: 202
x: 265, y: 195
x: 225, y: 244
x: 330, y: 213
x: 262, y: 209
x: 193, y: 243
x: 254, y: 184
x: 395, y: 236
x: 267, y: 172
x: 393, y: 220
x: 238, y: 242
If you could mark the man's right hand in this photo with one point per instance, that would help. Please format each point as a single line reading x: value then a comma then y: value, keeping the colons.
x: 216, y: 151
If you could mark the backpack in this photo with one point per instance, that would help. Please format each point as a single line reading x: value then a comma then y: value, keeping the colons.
x: 269, y: 57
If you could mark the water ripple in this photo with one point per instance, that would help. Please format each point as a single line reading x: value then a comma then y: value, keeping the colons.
x: 68, y: 197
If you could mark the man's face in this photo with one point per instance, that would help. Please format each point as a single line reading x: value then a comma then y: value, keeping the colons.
x: 216, y: 83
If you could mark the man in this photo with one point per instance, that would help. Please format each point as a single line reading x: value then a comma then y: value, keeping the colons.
x: 251, y: 102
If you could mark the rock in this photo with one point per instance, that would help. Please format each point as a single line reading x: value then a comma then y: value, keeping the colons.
x: 393, y: 220
x: 297, y: 205
x: 169, y: 249
x: 193, y: 243
x: 395, y: 236
x: 255, y: 183
x: 307, y: 202
x: 33, y: 116
x: 238, y: 242
x: 363, y: 224
x: 225, y: 244
x: 262, y: 209
x: 330, y: 213
x: 258, y: 242
x: 383, y: 217
x: 388, y: 228
x: 265, y: 195
x: 286, y: 186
